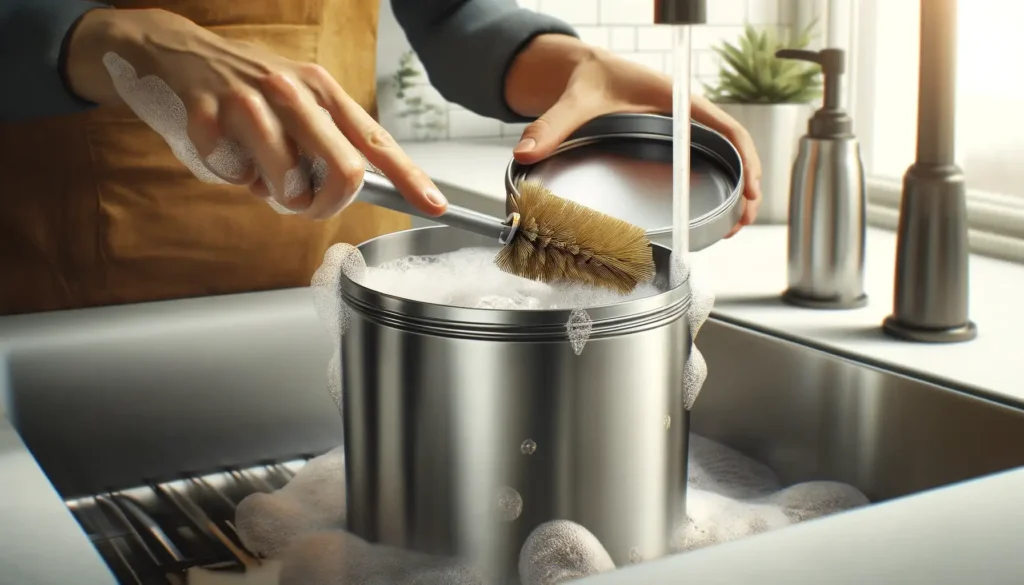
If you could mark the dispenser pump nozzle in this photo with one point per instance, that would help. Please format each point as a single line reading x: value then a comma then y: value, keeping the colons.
x: 831, y: 120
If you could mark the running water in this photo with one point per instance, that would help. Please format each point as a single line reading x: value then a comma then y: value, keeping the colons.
x: 301, y: 527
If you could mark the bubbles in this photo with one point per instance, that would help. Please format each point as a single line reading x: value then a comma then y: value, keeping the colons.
x: 313, y: 500
x: 156, y: 104
x: 731, y: 496
x: 560, y: 551
x: 340, y: 259
x: 679, y: 269
x: 528, y: 447
x: 579, y: 327
x: 668, y: 422
x: 469, y: 278
x: 334, y: 379
x: 301, y: 527
x: 510, y: 504
x: 695, y: 371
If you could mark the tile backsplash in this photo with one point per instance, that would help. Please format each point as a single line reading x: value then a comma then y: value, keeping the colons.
x: 412, y: 110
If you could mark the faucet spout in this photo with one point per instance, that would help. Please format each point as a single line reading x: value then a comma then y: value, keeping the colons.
x: 930, y: 299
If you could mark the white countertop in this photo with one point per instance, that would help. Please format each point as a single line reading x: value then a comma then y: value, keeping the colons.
x: 748, y: 273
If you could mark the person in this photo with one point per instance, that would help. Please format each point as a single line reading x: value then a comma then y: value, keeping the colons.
x: 98, y: 211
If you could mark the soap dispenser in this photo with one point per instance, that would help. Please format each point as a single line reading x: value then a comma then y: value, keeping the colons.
x: 825, y: 258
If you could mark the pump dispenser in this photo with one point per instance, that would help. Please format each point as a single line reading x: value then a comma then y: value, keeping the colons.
x: 826, y: 204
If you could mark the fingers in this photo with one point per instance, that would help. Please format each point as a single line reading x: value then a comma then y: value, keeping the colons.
x: 222, y: 158
x: 248, y: 119
x: 317, y: 136
x: 365, y: 135
x: 707, y: 113
x: 544, y: 135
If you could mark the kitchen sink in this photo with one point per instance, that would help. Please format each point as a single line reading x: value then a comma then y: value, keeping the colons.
x: 110, y: 400
x: 812, y: 415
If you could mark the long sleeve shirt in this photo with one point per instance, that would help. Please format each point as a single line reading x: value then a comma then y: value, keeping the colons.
x: 466, y: 47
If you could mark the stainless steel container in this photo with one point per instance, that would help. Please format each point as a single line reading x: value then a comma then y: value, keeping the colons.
x: 467, y: 428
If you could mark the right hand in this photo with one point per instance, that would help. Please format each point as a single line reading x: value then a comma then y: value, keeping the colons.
x: 266, y: 103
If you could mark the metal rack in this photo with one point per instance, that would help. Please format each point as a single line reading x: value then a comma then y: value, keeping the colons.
x: 153, y: 534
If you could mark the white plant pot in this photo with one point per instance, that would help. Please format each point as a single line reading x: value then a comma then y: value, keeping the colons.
x: 776, y: 130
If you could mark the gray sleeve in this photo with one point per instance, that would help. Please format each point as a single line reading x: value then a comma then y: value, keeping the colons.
x: 32, y: 34
x: 467, y: 46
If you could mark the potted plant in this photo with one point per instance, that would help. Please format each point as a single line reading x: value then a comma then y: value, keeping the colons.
x: 410, y: 108
x: 772, y: 99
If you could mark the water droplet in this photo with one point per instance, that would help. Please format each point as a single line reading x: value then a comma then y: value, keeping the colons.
x: 528, y: 447
x: 635, y: 556
x: 668, y: 421
x: 510, y: 504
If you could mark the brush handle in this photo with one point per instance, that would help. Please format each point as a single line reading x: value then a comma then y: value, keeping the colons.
x: 378, y: 190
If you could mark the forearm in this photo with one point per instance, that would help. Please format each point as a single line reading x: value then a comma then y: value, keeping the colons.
x: 468, y: 47
x: 32, y: 49
x: 540, y: 73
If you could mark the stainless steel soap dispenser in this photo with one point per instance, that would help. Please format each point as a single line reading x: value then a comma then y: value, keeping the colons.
x: 825, y: 267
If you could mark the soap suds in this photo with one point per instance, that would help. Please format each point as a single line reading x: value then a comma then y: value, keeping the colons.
x: 730, y: 496
x: 469, y: 278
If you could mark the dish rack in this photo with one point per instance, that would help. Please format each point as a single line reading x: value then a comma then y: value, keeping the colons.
x: 153, y: 534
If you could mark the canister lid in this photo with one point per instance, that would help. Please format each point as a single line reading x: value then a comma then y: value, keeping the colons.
x: 621, y: 164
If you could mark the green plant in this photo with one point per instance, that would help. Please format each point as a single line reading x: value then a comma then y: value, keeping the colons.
x: 752, y: 74
x: 407, y: 77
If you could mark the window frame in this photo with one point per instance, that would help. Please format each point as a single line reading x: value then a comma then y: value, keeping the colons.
x: 995, y: 221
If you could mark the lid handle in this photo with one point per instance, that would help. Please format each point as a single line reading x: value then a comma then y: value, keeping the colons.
x: 832, y: 63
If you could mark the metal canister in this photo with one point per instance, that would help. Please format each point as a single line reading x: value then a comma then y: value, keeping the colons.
x: 466, y: 428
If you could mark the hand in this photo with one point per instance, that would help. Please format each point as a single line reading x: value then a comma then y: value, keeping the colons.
x: 267, y: 104
x: 567, y: 84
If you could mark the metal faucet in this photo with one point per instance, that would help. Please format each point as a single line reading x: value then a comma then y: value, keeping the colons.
x: 680, y: 12
x: 931, y: 294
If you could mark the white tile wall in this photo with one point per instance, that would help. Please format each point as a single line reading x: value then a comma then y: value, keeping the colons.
x: 622, y: 26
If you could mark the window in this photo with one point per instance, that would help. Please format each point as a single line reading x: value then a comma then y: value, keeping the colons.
x: 990, y: 116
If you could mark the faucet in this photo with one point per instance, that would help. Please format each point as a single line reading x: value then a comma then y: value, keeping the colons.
x: 930, y: 297
x: 680, y: 12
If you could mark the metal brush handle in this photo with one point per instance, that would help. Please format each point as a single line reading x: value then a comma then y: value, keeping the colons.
x: 380, y: 191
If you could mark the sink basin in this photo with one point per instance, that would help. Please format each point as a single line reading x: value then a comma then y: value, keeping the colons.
x: 112, y: 398
x: 812, y: 415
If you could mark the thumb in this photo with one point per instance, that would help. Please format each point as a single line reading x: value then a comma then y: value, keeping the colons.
x: 544, y: 135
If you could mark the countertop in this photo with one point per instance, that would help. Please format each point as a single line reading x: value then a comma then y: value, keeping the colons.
x: 748, y: 274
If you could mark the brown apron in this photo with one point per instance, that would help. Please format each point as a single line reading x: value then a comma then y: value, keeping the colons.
x: 97, y: 211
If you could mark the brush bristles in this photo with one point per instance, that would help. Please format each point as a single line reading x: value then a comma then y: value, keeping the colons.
x: 563, y: 241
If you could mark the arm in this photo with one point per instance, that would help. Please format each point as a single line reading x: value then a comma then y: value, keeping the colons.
x: 32, y: 49
x: 468, y: 48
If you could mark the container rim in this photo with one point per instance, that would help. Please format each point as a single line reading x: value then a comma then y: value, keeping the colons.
x: 705, y: 229
x: 613, y: 316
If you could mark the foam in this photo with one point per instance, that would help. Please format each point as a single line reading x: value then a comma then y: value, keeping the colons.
x: 561, y: 551
x: 156, y: 104
x: 313, y: 500
x: 730, y: 496
x: 469, y: 278
x: 340, y: 558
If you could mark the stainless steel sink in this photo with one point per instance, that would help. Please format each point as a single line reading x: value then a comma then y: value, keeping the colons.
x: 115, y: 398
x: 810, y: 414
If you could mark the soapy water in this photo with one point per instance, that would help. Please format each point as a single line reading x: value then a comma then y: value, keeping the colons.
x: 300, y: 529
x: 469, y: 278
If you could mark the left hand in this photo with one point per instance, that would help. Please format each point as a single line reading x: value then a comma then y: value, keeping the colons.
x: 603, y: 83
